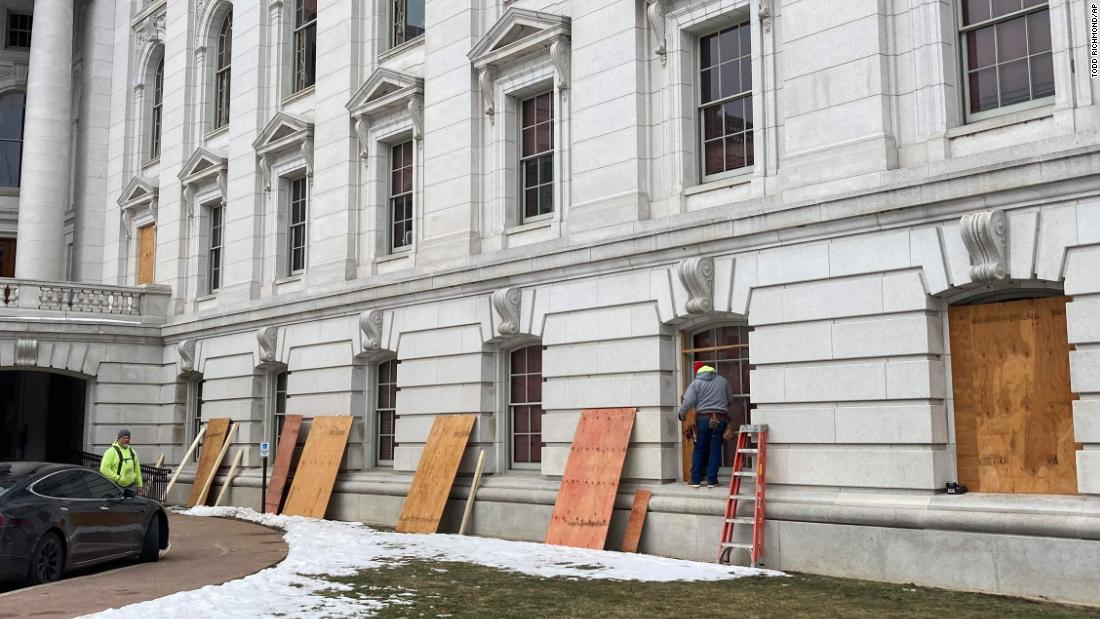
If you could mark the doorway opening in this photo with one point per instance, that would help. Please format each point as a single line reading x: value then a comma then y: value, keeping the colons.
x: 42, y: 416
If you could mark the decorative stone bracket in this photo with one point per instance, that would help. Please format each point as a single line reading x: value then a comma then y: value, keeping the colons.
x: 985, y: 235
x: 697, y: 276
x: 268, y: 338
x: 655, y: 14
x: 370, y: 323
x: 186, y: 350
x: 507, y: 302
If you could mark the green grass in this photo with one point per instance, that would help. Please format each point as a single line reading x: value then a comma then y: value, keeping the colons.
x: 443, y: 589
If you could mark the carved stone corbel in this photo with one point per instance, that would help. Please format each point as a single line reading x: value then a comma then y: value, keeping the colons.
x: 26, y: 352
x: 268, y: 338
x: 559, y: 53
x: 222, y: 181
x: 764, y: 14
x: 416, y: 114
x: 697, y: 276
x: 189, y: 201
x: 485, y: 79
x: 307, y: 155
x: 985, y: 235
x: 128, y: 224
x: 265, y: 172
x: 370, y: 323
x: 186, y: 350
x: 655, y: 13
x: 362, y: 131
x: 506, y: 302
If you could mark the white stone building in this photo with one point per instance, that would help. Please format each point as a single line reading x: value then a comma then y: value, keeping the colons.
x: 397, y: 209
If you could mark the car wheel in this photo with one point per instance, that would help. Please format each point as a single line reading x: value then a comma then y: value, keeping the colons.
x: 150, y: 549
x: 47, y: 560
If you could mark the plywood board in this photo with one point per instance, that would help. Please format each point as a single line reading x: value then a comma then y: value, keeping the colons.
x: 216, y: 430
x: 582, y: 511
x: 435, y: 474
x: 7, y: 258
x: 637, y: 520
x: 284, y: 453
x: 147, y: 249
x: 319, y: 464
x: 1012, y: 398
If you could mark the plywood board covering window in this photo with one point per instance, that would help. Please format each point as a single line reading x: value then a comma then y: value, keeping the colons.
x: 1013, y: 404
x: 147, y: 249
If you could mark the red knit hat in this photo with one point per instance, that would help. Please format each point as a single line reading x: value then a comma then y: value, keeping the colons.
x: 695, y: 366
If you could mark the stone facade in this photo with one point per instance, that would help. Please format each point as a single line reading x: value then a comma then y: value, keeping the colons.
x: 841, y: 248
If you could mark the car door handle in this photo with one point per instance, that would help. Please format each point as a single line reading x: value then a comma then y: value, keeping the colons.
x: 64, y: 509
x: 104, y: 507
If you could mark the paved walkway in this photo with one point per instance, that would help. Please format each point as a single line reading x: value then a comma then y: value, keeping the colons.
x: 205, y: 551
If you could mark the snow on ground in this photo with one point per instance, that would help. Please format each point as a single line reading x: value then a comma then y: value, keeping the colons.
x: 325, y: 547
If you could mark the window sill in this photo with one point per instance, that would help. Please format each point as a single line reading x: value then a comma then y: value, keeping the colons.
x: 1003, y: 120
x: 397, y: 50
x: 151, y: 163
x: 216, y: 132
x: 289, y: 279
x: 730, y: 181
x: 400, y: 254
x: 538, y: 224
x: 305, y: 93
x: 206, y: 297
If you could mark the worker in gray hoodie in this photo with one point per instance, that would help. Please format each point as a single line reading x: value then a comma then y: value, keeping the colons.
x: 709, y: 394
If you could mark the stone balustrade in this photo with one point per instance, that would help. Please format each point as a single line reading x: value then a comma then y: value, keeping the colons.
x: 147, y: 304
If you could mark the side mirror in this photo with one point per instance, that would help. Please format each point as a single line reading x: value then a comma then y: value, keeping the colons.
x: 128, y: 493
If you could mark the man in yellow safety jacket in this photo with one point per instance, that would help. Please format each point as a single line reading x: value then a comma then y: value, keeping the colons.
x: 120, y: 463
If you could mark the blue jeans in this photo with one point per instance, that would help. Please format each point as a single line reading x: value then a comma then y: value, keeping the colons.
x: 708, y: 449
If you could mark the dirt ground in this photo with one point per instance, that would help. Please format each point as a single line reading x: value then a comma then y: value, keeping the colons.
x: 432, y: 589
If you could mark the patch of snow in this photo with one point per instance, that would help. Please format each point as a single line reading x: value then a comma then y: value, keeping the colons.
x: 318, y: 548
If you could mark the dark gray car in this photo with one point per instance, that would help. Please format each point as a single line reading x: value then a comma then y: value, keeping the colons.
x: 57, y: 517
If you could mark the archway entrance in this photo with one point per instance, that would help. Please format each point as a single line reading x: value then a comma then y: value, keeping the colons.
x: 41, y: 416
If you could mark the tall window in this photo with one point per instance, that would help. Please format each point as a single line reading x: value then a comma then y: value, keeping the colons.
x: 408, y: 20
x: 19, y: 30
x: 299, y: 206
x: 278, y: 405
x: 537, y: 154
x: 1006, y: 46
x: 385, y: 411
x: 194, y: 403
x: 158, y: 104
x: 401, y: 195
x: 305, y: 44
x: 222, y: 72
x: 726, y: 349
x: 11, y: 138
x: 214, y: 253
x: 725, y: 99
x: 525, y: 404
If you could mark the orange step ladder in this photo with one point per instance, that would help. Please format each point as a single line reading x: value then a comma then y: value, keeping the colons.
x: 757, y: 449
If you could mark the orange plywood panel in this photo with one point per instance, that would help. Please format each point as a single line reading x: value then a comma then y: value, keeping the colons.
x: 147, y: 249
x: 213, y: 441
x: 637, y: 520
x: 435, y: 474
x: 284, y: 453
x: 582, y: 512
x: 318, y: 466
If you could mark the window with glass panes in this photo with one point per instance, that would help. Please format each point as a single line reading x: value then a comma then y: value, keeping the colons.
x: 11, y: 138
x: 725, y: 99
x: 525, y: 404
x: 278, y: 405
x: 408, y: 20
x: 223, y: 72
x: 385, y: 411
x: 296, y: 231
x: 19, y: 30
x: 401, y: 195
x: 537, y: 155
x: 214, y: 253
x: 305, y: 44
x: 157, y: 109
x: 726, y: 349
x: 194, y: 396
x: 1007, y: 53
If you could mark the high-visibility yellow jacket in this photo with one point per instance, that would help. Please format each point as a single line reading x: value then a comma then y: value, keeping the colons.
x: 125, y: 472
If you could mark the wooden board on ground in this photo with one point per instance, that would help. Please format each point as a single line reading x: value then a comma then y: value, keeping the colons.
x: 435, y: 474
x: 586, y: 499
x: 1013, y: 404
x: 637, y: 520
x: 317, y: 469
x: 216, y: 430
x: 284, y: 454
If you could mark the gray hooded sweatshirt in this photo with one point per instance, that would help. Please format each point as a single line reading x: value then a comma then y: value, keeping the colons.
x: 708, y: 393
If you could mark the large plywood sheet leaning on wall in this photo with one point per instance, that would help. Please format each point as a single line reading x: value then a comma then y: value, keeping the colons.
x: 1013, y: 404
x: 318, y: 466
x: 435, y: 474
x: 586, y: 498
x: 284, y: 453
x: 216, y: 430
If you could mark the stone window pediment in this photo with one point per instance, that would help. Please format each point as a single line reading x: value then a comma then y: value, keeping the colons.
x: 386, y: 91
x: 284, y: 133
x: 138, y: 201
x: 204, y: 166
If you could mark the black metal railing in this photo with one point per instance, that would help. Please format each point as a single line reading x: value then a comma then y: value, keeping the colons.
x: 154, y: 479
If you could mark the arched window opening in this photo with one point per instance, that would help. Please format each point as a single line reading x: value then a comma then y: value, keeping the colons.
x: 157, y: 111
x: 11, y: 138
x: 525, y: 405
x: 222, y: 72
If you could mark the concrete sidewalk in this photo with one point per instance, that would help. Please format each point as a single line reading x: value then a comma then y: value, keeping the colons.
x: 204, y: 551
